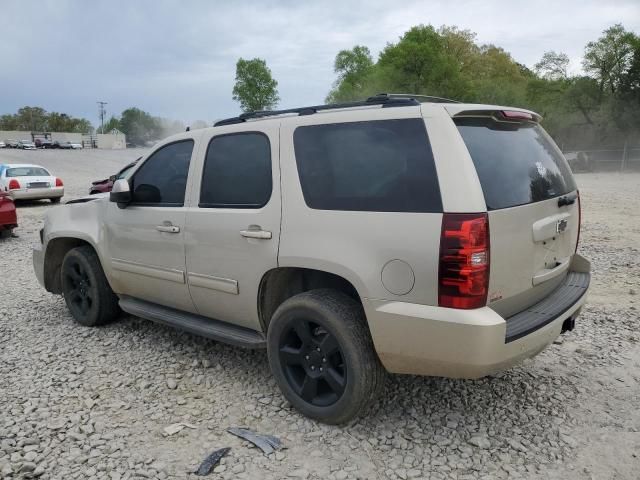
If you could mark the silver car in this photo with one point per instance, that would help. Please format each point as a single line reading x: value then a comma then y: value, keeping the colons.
x: 26, y: 145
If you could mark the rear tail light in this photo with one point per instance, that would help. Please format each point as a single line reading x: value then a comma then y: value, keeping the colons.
x: 579, y: 221
x: 14, y: 184
x: 463, y: 275
x: 59, y: 183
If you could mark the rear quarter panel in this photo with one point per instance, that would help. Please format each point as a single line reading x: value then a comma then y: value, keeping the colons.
x: 357, y: 245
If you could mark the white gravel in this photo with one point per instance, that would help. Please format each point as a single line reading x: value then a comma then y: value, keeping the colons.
x: 92, y: 403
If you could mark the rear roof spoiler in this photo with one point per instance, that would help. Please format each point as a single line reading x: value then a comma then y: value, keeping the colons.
x: 503, y: 113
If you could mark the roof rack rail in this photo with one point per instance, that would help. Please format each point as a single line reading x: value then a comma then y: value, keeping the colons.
x: 384, y: 99
x: 419, y: 97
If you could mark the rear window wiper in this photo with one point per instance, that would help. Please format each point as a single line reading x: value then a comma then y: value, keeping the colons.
x: 567, y: 200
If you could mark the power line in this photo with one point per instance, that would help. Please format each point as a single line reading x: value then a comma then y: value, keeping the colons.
x: 102, y: 111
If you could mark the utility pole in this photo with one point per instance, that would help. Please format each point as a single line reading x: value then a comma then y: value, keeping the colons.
x: 102, y: 113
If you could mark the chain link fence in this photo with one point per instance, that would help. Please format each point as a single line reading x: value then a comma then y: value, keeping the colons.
x: 605, y: 159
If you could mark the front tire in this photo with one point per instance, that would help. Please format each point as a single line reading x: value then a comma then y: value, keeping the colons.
x: 322, y: 356
x: 86, y: 290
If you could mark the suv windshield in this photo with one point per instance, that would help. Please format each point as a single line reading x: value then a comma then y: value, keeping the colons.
x: 27, y: 172
x: 517, y: 163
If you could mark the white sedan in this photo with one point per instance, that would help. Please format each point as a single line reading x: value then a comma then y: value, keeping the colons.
x: 30, y: 182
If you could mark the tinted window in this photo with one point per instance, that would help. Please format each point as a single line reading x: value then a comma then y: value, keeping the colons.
x: 237, y: 172
x: 516, y: 163
x: 381, y: 166
x: 162, y: 179
x: 27, y: 172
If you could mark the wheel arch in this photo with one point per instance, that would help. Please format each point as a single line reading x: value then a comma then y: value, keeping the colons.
x: 282, y: 283
x: 56, y: 250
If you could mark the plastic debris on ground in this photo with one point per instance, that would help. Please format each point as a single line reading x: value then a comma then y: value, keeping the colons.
x: 211, y: 461
x: 267, y: 443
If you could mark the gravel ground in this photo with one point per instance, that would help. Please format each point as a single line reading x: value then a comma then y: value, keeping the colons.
x: 93, y: 403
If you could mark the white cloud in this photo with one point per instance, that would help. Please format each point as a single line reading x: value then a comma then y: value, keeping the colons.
x: 177, y: 59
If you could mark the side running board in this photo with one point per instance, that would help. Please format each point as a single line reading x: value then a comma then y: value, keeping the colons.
x: 192, y: 323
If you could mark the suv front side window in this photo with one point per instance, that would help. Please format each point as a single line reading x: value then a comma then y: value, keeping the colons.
x: 162, y: 179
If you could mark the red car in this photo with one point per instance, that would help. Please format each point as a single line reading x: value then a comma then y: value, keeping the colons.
x: 105, y: 186
x: 8, y: 217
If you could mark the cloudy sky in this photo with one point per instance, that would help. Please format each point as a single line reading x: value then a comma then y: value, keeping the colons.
x: 176, y: 59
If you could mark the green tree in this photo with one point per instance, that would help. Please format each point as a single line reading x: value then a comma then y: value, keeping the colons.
x: 36, y: 119
x: 460, y: 45
x: 496, y: 78
x: 82, y: 125
x: 255, y: 88
x: 353, y: 68
x: 8, y: 122
x: 553, y: 65
x: 139, y: 126
x: 608, y: 59
x: 583, y: 96
x: 626, y: 103
x: 31, y: 119
x: 353, y: 65
x: 111, y: 124
x: 419, y: 63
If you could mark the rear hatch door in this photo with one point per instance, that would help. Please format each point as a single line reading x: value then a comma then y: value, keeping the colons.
x: 532, y: 204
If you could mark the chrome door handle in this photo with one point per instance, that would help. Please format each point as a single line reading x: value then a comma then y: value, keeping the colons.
x: 261, y: 234
x: 168, y: 228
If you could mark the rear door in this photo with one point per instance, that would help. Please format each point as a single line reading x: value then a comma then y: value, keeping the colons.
x: 532, y: 204
x: 233, y: 227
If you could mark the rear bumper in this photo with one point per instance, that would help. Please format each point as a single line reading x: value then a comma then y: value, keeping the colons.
x: 426, y: 340
x: 37, y: 193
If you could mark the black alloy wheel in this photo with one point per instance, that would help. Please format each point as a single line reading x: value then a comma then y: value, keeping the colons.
x: 80, y: 291
x: 322, y: 356
x: 313, y: 363
x: 86, y: 289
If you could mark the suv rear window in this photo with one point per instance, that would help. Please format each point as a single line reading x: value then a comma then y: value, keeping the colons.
x: 378, y: 166
x: 517, y: 163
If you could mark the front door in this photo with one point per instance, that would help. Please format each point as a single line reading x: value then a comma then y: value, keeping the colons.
x: 233, y: 228
x: 146, y: 239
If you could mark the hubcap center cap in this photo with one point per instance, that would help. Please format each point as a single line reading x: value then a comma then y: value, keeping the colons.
x: 315, y: 358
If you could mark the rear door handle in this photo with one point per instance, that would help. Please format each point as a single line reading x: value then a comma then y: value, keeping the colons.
x: 261, y: 234
x: 168, y: 228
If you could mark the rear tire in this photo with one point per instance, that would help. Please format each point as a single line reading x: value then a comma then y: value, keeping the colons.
x: 322, y: 356
x: 55, y: 200
x: 86, y: 290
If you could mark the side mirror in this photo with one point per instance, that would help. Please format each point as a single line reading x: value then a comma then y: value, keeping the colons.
x: 113, y: 178
x: 120, y: 193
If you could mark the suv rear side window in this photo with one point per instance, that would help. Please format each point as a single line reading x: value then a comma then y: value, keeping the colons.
x: 162, y: 179
x: 237, y: 172
x: 517, y: 163
x: 377, y: 166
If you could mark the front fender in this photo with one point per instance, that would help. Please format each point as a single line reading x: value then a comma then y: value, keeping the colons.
x: 68, y: 226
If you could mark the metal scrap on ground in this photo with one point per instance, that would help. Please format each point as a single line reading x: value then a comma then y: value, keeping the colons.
x: 211, y: 461
x: 267, y: 443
